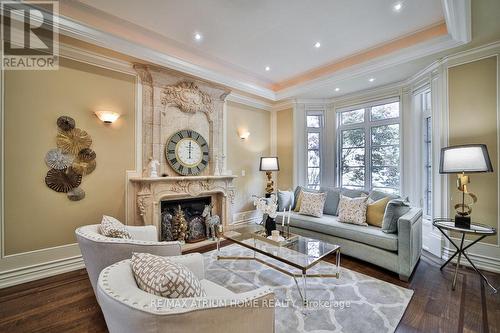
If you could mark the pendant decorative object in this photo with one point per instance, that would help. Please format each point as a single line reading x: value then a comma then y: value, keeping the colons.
x: 76, y: 194
x: 57, y: 159
x: 86, y: 154
x: 84, y: 168
x: 62, y: 180
x: 71, y: 160
x: 65, y: 123
x: 73, y: 141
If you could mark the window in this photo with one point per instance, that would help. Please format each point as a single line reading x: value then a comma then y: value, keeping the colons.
x: 427, y: 152
x: 314, y: 123
x: 369, y: 140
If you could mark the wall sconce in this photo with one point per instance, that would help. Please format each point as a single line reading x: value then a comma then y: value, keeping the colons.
x: 107, y: 117
x: 243, y: 134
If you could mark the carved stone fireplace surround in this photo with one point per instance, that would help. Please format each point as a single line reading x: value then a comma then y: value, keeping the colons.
x: 172, y: 102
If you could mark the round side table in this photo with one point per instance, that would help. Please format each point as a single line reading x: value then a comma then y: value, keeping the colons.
x: 480, y: 230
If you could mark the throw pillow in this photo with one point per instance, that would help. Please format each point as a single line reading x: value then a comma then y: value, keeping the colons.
x: 285, y: 200
x: 375, y: 211
x: 395, y: 209
x: 298, y: 197
x: 312, y: 204
x: 377, y: 195
x: 111, y: 227
x: 163, y: 277
x: 332, y: 200
x: 346, y: 192
x: 352, y: 210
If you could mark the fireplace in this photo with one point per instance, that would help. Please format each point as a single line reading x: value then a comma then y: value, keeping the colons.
x: 191, y: 210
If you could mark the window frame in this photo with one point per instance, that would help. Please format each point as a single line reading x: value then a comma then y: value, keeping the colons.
x: 426, y: 115
x: 367, y: 126
x: 320, y: 131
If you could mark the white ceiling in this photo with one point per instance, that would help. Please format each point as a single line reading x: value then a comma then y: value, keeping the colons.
x: 250, y: 35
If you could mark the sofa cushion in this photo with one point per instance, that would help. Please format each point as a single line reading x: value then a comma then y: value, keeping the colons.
x: 377, y: 195
x: 312, y: 204
x: 297, y: 194
x: 375, y: 211
x: 353, y: 210
x: 330, y: 225
x: 111, y: 227
x: 285, y: 199
x: 394, y: 210
x: 353, y: 193
x: 162, y: 277
x: 332, y: 200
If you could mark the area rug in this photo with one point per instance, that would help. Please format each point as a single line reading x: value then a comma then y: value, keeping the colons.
x: 353, y: 303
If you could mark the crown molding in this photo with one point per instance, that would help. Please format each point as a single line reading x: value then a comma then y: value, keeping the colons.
x: 249, y: 101
x: 457, y: 16
x: 283, y: 105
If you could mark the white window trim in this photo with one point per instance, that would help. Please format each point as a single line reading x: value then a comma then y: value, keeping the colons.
x: 321, y: 132
x: 367, y: 125
x: 426, y: 113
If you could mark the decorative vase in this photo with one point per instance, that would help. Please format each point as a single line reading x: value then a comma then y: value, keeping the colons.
x: 270, y: 225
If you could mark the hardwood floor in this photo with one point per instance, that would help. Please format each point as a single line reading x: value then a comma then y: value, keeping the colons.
x: 66, y: 303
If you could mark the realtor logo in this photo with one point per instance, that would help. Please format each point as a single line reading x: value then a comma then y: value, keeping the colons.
x: 30, y: 39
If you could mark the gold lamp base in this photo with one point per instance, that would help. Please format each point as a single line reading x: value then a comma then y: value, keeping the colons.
x: 462, y: 218
x: 270, y: 184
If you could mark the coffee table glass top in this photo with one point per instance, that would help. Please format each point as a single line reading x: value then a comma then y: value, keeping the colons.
x: 302, y: 253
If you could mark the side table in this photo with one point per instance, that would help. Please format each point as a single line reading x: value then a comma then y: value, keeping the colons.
x: 480, y: 230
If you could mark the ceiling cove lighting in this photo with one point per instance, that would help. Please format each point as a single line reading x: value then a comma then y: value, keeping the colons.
x: 397, y: 7
x: 317, y: 45
x: 371, y: 79
x: 197, y: 36
x: 267, y: 68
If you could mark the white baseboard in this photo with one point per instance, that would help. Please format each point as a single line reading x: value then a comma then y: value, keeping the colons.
x: 487, y: 263
x: 250, y: 216
x: 33, y: 265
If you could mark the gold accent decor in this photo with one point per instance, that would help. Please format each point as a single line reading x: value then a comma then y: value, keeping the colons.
x: 73, y: 141
x: 84, y: 168
x: 464, y: 209
x: 62, y: 180
x: 270, y: 182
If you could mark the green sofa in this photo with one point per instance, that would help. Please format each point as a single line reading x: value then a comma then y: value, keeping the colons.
x: 398, y: 252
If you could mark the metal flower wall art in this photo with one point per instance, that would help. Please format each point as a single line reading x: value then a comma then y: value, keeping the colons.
x: 71, y: 160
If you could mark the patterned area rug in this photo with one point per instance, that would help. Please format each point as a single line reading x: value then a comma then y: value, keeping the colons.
x: 353, y: 303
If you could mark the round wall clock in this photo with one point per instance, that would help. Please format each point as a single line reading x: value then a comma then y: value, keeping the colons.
x: 187, y: 152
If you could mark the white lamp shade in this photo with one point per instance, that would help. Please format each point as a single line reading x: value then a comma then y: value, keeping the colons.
x: 465, y: 158
x: 269, y: 164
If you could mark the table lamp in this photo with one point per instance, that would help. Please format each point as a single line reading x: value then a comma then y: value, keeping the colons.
x: 269, y: 164
x: 472, y: 158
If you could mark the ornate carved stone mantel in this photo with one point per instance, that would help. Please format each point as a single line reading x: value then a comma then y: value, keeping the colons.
x: 149, y: 192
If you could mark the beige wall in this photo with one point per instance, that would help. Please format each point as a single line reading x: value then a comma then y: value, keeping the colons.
x: 473, y: 119
x: 35, y: 216
x: 285, y: 148
x: 245, y: 155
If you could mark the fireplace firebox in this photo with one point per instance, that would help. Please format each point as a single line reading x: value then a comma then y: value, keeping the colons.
x: 191, y: 209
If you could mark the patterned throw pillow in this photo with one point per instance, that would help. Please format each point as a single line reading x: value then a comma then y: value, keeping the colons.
x: 163, y: 277
x: 375, y: 211
x: 111, y: 227
x: 353, y: 210
x: 312, y: 204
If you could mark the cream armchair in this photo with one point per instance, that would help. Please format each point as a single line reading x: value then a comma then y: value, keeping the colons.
x: 99, y: 251
x: 127, y: 308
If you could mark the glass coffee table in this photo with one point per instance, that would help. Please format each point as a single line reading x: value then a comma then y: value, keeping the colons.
x: 299, y: 252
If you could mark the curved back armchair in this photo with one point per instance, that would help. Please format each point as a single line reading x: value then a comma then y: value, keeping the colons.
x: 128, y: 309
x: 99, y: 251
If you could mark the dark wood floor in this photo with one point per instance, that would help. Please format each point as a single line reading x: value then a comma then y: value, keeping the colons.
x: 66, y: 303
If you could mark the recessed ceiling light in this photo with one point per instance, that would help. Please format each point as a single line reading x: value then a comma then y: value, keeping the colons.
x: 337, y: 89
x: 317, y: 45
x: 268, y: 68
x: 197, y: 36
x: 397, y: 6
x: 371, y: 79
